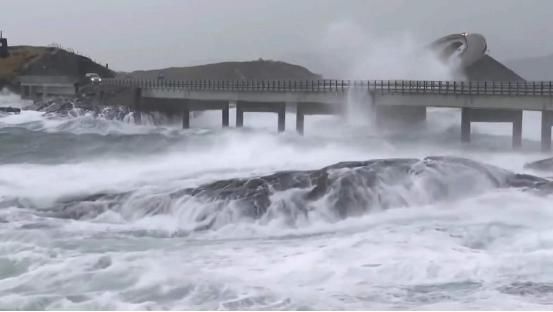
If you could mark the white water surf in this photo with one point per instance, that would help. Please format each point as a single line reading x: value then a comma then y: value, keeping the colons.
x: 484, y: 250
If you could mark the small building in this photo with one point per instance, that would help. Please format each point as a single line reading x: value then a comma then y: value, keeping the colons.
x: 32, y: 86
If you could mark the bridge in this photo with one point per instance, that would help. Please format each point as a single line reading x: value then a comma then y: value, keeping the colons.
x: 493, y: 93
x: 389, y: 101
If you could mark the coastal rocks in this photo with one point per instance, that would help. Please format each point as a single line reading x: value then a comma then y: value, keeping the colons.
x: 339, y: 191
x: 10, y: 109
x: 74, y: 107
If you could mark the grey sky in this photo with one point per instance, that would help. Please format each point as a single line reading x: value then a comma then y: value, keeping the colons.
x: 144, y: 34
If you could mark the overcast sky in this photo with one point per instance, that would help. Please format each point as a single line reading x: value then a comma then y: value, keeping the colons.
x: 146, y: 34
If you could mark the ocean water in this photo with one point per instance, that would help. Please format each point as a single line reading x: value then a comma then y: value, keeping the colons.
x: 480, y: 247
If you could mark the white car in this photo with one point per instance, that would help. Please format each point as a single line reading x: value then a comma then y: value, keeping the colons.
x: 93, y: 78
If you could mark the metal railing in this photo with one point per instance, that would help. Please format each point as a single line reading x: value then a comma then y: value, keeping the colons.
x: 401, y: 87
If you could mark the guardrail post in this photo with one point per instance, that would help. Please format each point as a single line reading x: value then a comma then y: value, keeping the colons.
x: 510, y: 88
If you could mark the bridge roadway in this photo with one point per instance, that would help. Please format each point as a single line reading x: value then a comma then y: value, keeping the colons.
x: 391, y: 100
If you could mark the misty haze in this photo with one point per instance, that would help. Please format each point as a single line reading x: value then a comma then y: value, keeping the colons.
x: 276, y: 155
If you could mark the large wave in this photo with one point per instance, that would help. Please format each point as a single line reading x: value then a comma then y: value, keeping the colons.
x: 295, y: 198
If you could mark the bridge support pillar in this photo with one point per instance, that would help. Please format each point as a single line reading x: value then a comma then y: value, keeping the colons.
x: 300, y: 119
x: 282, y: 118
x: 517, y: 131
x: 44, y: 92
x: 137, y: 99
x: 469, y: 115
x: 225, y: 115
x: 239, y: 116
x: 26, y: 92
x: 185, y: 117
x: 465, y: 125
x: 546, y: 123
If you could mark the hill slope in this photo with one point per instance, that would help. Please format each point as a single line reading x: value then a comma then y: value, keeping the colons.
x: 258, y: 70
x: 534, y: 68
x: 488, y: 68
x: 46, y: 61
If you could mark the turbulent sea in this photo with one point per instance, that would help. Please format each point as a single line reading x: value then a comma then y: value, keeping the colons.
x: 106, y: 214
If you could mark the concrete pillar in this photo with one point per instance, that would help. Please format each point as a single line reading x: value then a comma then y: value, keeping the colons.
x: 185, y: 118
x: 282, y: 118
x: 465, y: 125
x: 137, y: 99
x: 517, y: 131
x: 300, y: 119
x: 225, y: 115
x: 239, y: 116
x: 44, y: 92
x: 546, y: 121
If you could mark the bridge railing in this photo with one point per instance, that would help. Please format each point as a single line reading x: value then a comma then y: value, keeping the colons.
x: 401, y: 87
x: 512, y: 88
x: 239, y: 85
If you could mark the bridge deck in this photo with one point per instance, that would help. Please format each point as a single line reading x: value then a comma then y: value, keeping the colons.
x: 536, y: 96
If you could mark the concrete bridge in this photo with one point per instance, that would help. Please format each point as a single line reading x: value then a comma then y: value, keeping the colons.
x: 390, y: 102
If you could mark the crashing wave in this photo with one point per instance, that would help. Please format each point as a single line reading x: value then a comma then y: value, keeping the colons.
x: 333, y: 193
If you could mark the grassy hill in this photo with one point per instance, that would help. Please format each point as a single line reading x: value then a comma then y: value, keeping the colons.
x: 46, y: 61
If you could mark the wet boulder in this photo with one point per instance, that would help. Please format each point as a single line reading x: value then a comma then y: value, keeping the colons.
x: 10, y: 109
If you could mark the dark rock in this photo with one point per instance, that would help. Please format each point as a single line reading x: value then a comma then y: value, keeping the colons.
x: 10, y: 110
x: 345, y: 190
x: 528, y: 289
x: 103, y: 263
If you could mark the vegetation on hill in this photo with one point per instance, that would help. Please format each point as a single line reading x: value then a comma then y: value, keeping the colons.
x: 46, y: 61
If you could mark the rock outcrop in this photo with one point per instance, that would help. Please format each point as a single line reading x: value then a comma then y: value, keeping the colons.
x: 339, y: 191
